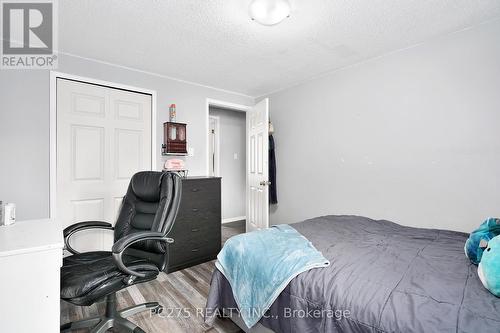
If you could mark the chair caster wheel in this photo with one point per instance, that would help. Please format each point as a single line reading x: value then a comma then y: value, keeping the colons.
x: 157, y: 310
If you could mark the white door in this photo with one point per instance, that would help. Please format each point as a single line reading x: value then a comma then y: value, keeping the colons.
x: 214, y: 148
x: 258, y: 166
x: 103, y: 138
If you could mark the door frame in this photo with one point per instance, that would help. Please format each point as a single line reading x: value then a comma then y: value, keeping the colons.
x: 234, y: 107
x: 217, y: 145
x: 54, y: 75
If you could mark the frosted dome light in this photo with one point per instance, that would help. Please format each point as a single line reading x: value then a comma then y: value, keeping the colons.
x: 269, y: 12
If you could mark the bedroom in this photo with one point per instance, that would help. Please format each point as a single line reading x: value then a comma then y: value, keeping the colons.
x: 379, y: 111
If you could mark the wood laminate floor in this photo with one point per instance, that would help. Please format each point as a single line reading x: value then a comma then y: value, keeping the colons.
x: 181, y: 293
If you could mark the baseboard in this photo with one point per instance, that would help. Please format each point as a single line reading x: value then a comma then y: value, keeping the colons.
x: 233, y: 219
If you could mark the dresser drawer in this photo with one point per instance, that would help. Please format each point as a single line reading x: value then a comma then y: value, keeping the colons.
x: 202, y: 191
x: 190, y: 216
x: 191, y: 206
x: 185, y: 250
x: 194, y: 219
x: 195, y: 231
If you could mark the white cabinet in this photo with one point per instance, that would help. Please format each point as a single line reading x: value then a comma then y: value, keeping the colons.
x: 30, y: 262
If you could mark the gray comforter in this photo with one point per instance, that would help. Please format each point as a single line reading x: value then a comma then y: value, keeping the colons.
x: 383, y: 277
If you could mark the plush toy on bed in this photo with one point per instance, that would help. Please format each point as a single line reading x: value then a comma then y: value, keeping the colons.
x: 479, y: 238
x: 483, y: 248
x: 489, y: 267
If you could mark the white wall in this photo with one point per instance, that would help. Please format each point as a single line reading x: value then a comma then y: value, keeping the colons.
x: 24, y: 125
x: 413, y: 137
x: 232, y: 137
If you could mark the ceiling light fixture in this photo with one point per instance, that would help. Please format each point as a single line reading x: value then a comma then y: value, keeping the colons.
x: 269, y: 12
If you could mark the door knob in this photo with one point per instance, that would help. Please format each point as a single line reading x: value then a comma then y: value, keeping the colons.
x: 264, y: 183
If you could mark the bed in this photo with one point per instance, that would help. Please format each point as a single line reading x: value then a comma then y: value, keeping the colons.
x: 383, y: 277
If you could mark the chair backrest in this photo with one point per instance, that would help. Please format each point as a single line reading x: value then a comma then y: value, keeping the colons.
x: 151, y: 204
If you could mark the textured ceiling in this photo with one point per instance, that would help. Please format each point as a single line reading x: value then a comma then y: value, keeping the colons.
x: 216, y: 44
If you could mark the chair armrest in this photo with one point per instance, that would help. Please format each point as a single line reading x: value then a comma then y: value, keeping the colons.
x: 123, y: 243
x: 77, y: 227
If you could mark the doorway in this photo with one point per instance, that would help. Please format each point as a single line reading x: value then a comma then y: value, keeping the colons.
x: 227, y: 159
x: 256, y: 160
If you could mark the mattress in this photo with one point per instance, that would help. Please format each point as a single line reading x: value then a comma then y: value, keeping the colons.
x: 383, y: 277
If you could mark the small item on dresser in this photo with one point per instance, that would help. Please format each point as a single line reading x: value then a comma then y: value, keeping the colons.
x: 9, y: 214
x: 172, y: 113
x: 176, y: 165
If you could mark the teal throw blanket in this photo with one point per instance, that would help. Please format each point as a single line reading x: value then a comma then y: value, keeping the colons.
x: 260, y: 264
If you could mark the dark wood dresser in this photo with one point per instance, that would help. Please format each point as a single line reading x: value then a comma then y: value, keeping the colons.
x: 197, y: 229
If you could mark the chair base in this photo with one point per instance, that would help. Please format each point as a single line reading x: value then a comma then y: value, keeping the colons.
x: 113, y: 318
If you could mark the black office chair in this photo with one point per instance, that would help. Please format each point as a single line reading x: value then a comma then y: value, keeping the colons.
x: 139, y: 254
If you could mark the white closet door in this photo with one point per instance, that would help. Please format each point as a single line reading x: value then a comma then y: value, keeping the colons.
x: 103, y: 138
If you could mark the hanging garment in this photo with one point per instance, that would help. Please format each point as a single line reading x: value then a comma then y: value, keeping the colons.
x: 273, y: 194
